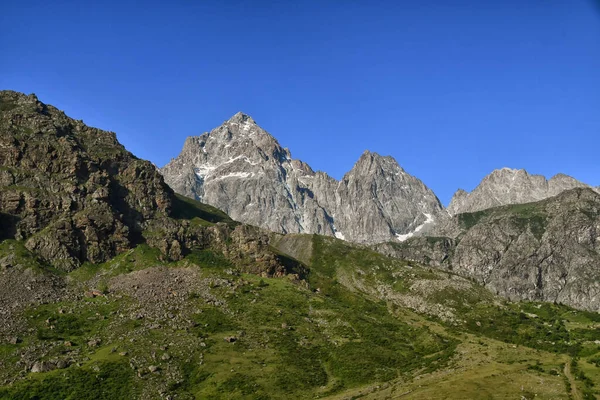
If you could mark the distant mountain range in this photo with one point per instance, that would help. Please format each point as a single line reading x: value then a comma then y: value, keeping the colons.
x: 497, y: 234
x: 114, y: 287
x: 511, y: 186
x: 241, y: 169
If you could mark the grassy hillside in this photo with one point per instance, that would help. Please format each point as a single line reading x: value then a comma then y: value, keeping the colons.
x: 360, y: 326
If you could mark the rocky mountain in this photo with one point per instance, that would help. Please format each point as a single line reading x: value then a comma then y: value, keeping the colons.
x: 544, y: 251
x: 241, y: 169
x: 510, y: 186
x: 112, y: 286
x: 72, y: 194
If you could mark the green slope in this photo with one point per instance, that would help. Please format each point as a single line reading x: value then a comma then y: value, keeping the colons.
x: 360, y: 326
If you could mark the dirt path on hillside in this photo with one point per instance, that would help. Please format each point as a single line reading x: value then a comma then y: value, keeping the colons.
x: 575, y: 395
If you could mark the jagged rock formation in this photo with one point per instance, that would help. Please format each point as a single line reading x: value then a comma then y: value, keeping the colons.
x: 510, y: 186
x: 73, y: 194
x: 70, y: 194
x: 545, y: 251
x: 241, y: 169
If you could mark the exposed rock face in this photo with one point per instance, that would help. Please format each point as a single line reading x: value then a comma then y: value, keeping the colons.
x: 545, y: 251
x: 72, y: 194
x: 510, y: 186
x: 378, y: 200
x: 241, y: 169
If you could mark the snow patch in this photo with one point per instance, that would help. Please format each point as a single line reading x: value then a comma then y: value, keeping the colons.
x: 289, y: 194
x: 238, y: 158
x: 402, y: 238
x: 302, y: 180
x: 337, y: 233
x: 234, y: 175
x: 429, y: 218
x: 204, y: 170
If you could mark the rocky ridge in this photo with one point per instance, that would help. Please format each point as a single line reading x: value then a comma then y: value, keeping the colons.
x: 544, y: 251
x: 510, y: 186
x: 241, y: 169
x: 72, y: 194
x: 172, y: 315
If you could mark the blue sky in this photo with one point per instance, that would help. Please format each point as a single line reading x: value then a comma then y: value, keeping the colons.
x: 452, y: 89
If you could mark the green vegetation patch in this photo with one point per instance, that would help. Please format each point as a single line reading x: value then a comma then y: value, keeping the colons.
x: 186, y: 208
x: 330, y: 256
x: 208, y: 259
x: 536, y: 222
x: 140, y: 257
x: 14, y: 253
x: 532, y: 215
x: 103, y: 380
x: 525, y: 324
x: 469, y: 220
x: 213, y: 320
x: 73, y: 321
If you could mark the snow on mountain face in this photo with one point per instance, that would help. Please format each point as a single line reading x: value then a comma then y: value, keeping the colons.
x: 241, y: 169
x: 510, y: 186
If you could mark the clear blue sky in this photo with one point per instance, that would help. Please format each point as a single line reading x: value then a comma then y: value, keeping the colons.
x: 451, y: 89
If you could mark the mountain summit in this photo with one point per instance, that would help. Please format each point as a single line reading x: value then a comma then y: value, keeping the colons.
x: 243, y: 170
x: 241, y: 117
x: 510, y: 186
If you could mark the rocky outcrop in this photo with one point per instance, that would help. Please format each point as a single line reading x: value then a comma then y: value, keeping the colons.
x: 425, y: 250
x: 510, y: 186
x: 241, y: 169
x: 544, y: 251
x: 377, y: 200
x: 73, y: 194
x: 247, y: 247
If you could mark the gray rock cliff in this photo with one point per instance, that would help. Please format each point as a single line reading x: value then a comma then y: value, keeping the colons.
x: 241, y: 169
x: 545, y: 251
x: 510, y: 186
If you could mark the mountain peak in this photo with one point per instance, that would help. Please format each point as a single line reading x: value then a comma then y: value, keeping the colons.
x: 240, y: 118
x: 511, y: 186
x: 507, y: 170
x: 560, y: 175
x: 241, y: 169
x: 367, y: 155
x: 369, y: 159
x: 371, y: 155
